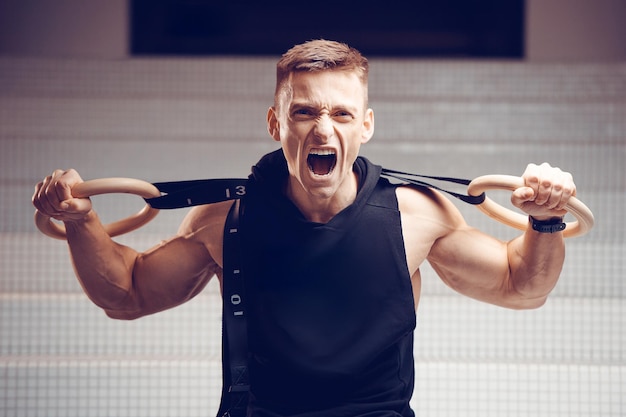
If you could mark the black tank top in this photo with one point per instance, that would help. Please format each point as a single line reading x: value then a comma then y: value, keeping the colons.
x: 330, y: 306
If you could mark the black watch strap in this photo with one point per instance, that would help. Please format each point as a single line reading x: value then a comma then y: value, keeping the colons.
x: 547, y: 226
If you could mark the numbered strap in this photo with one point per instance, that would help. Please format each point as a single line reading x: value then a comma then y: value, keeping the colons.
x: 179, y: 194
x: 235, y: 377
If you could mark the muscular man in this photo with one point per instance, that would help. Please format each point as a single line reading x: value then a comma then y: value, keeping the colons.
x: 332, y: 252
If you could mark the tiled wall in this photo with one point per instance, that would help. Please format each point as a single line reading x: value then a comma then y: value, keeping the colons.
x: 159, y: 119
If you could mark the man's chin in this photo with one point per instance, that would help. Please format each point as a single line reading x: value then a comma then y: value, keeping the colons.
x: 314, y: 186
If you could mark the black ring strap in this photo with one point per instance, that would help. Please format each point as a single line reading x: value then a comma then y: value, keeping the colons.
x: 235, y: 376
x: 180, y: 194
x: 411, y: 179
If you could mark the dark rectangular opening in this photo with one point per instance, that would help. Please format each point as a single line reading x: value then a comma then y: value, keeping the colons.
x: 418, y: 28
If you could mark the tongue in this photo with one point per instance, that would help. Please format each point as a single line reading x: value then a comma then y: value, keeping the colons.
x: 321, y: 164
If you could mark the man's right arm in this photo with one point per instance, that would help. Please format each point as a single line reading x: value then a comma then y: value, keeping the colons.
x: 125, y: 283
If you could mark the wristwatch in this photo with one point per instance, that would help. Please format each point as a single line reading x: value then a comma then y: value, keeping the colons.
x: 547, y: 226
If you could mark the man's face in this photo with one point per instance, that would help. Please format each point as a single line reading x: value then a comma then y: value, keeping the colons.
x: 321, y: 123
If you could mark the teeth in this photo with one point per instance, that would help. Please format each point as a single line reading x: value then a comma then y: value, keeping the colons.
x: 322, y: 152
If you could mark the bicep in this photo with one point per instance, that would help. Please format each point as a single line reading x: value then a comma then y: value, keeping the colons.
x: 172, y: 273
x: 472, y: 263
x: 466, y: 259
x: 177, y: 269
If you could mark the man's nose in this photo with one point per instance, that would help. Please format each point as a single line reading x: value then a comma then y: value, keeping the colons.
x: 323, y: 127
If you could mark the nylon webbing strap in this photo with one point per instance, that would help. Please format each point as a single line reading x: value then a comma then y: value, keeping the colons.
x: 411, y: 179
x: 235, y: 376
x: 180, y: 194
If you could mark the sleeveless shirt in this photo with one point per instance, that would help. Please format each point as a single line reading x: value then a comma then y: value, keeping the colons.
x: 330, y: 306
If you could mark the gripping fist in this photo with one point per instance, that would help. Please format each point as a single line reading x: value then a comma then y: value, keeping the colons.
x: 53, y: 197
x: 547, y: 191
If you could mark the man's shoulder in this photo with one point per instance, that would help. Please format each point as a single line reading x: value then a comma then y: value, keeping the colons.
x: 425, y: 202
x: 206, y: 218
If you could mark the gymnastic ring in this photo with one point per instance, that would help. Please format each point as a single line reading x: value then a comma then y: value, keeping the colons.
x: 584, y: 217
x: 106, y: 186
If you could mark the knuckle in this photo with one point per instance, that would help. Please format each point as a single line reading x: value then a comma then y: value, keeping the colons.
x: 60, y: 185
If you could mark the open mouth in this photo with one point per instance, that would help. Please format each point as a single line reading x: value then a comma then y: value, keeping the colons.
x: 322, y: 161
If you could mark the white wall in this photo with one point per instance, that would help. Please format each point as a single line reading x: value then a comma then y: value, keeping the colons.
x: 557, y: 30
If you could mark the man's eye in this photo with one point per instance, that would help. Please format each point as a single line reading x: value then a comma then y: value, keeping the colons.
x: 343, y: 116
x: 302, y: 113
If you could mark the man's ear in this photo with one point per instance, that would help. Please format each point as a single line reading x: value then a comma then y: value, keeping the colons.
x: 273, y: 127
x: 368, y: 126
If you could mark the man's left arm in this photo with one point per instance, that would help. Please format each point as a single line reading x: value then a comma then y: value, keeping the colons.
x: 516, y: 274
x: 536, y: 258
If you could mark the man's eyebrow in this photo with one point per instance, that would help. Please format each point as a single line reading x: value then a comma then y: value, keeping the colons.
x: 296, y: 105
x: 306, y: 105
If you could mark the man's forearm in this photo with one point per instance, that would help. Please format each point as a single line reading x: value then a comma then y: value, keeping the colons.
x: 103, y: 267
x: 536, y: 260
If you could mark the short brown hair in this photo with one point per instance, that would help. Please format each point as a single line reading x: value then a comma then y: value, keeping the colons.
x: 320, y: 55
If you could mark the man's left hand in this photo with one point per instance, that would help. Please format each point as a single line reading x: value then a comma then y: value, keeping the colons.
x: 547, y: 190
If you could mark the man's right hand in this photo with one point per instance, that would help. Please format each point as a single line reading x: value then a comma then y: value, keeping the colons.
x: 53, y: 197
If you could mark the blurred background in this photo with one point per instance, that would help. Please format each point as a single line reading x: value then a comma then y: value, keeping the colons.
x: 172, y: 90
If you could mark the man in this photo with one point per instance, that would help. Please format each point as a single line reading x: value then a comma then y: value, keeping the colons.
x: 331, y: 252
